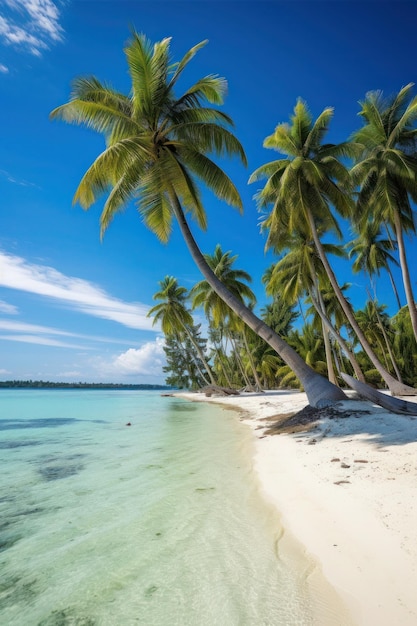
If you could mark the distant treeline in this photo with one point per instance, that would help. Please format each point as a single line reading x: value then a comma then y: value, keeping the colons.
x: 42, y: 384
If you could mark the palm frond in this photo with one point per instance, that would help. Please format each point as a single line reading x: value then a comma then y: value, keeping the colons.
x: 300, y: 123
x: 211, y: 88
x: 213, y: 176
x: 181, y: 65
x: 95, y: 115
x: 156, y: 212
x: 282, y: 141
x: 204, y: 115
x: 110, y: 166
x: 210, y: 138
x: 318, y: 130
x: 145, y: 80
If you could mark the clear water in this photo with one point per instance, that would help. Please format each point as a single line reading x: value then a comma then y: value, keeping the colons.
x: 158, y: 523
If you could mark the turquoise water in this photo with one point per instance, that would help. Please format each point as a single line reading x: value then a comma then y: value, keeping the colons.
x: 158, y: 523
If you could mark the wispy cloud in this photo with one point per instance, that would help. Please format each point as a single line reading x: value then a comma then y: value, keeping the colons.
x: 7, y: 308
x: 4, y: 69
x: 43, y: 341
x: 26, y: 330
x: 17, y: 181
x: 74, y: 293
x: 31, y: 25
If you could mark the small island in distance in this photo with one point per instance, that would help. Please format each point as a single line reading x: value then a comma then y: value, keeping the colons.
x: 41, y: 384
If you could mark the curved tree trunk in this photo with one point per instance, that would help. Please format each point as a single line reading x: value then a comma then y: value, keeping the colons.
x: 319, y: 390
x: 396, y: 388
x: 405, y: 273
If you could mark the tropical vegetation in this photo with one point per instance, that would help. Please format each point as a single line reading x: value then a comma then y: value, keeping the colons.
x: 161, y: 146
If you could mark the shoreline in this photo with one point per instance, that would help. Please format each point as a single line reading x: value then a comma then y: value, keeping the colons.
x: 345, y: 491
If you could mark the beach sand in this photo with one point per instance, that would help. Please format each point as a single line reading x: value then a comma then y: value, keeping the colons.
x: 345, y: 487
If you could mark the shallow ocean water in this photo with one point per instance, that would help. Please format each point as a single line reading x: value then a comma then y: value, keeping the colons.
x: 159, y: 523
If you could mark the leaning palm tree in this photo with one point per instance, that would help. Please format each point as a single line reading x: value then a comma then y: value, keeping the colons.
x: 203, y: 295
x: 175, y: 318
x: 156, y: 148
x: 216, y: 310
x: 302, y: 188
x: 300, y: 272
x: 386, y: 171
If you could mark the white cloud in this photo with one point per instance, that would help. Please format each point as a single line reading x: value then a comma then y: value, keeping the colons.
x: 4, y: 69
x: 31, y: 25
x: 30, y: 330
x: 75, y: 293
x: 43, y: 341
x: 10, y: 309
x: 146, y: 360
x: 3, y: 371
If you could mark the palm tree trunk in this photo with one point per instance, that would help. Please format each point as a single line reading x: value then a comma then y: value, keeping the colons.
x: 223, y: 367
x: 405, y: 273
x: 387, y: 343
x: 199, y: 352
x: 258, y: 383
x: 396, y: 388
x: 350, y: 355
x: 326, y: 336
x: 328, y: 349
x: 319, y: 390
x: 248, y: 384
x: 394, y: 288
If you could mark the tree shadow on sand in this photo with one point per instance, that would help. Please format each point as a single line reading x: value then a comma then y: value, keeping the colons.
x: 352, y: 417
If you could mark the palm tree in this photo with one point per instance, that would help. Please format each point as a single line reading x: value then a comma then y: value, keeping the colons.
x: 302, y: 188
x: 175, y: 318
x: 300, y: 271
x: 156, y: 147
x: 203, y: 295
x: 386, y: 170
x: 215, y: 308
x: 372, y: 253
x: 404, y: 345
x: 376, y: 325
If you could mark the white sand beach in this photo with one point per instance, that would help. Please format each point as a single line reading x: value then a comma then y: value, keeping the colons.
x: 347, y: 491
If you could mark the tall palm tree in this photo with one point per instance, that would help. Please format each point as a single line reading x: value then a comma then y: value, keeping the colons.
x: 175, y: 318
x: 302, y: 188
x: 372, y: 253
x: 156, y: 147
x: 235, y: 280
x: 386, y: 170
x: 404, y: 345
x: 299, y: 272
x: 376, y: 325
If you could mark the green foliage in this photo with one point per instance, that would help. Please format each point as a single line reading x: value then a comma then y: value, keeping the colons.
x: 157, y: 142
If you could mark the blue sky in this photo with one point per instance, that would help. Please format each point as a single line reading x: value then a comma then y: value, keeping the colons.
x: 74, y: 308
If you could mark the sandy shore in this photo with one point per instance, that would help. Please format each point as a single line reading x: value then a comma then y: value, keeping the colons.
x: 347, y: 491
